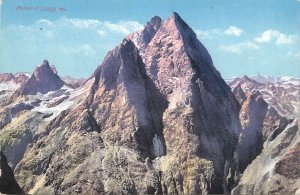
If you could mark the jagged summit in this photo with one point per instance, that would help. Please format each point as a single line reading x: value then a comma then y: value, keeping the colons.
x: 177, y: 19
x: 4, y: 77
x: 239, y: 94
x: 123, y: 72
x: 143, y: 37
x: 43, y: 80
x: 155, y: 117
x: 182, y: 70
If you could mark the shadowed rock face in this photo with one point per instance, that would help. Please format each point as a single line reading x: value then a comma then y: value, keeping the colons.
x: 43, y: 80
x: 126, y: 103
x: 158, y: 118
x: 239, y: 94
x: 252, y: 115
x: 155, y: 117
x: 273, y: 122
x: 276, y: 169
x: 8, y: 183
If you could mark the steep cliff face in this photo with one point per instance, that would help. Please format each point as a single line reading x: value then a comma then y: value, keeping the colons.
x: 252, y: 115
x: 8, y: 183
x: 276, y: 169
x: 110, y: 134
x: 239, y: 94
x: 43, y: 80
x: 126, y: 103
x: 158, y: 118
x: 183, y: 71
x: 282, y: 94
x: 142, y: 38
x: 154, y: 118
x: 274, y: 124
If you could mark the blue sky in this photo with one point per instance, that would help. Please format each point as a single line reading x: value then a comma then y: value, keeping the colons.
x: 242, y: 36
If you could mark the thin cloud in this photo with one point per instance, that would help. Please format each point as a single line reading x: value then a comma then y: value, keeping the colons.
x: 275, y: 36
x: 293, y: 54
x: 216, y: 32
x: 239, y: 47
x: 208, y: 34
x: 233, y: 31
x: 64, y: 36
x: 83, y: 49
x: 122, y: 27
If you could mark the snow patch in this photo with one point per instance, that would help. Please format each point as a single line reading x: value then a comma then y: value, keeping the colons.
x: 9, y: 85
x: 56, y: 110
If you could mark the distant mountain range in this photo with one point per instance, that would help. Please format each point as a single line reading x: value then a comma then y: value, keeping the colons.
x: 155, y: 117
x: 271, y: 79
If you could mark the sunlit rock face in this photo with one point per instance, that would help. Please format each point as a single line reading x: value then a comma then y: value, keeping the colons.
x: 202, y: 113
x: 157, y: 118
x: 154, y: 118
x: 276, y: 169
x: 282, y: 94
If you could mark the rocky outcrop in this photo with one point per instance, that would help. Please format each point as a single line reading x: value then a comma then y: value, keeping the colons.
x: 43, y: 80
x: 250, y: 143
x: 273, y: 124
x: 126, y: 103
x: 4, y: 77
x: 276, y: 169
x: 21, y: 79
x: 158, y: 118
x: 5, y: 117
x: 154, y: 118
x: 142, y: 38
x: 283, y: 97
x: 8, y: 183
x: 239, y: 94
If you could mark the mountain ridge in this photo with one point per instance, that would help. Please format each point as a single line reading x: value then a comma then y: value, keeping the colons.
x: 155, y: 117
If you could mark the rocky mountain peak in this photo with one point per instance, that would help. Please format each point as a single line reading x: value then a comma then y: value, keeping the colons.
x: 43, y: 69
x: 154, y: 23
x: 4, y: 77
x: 254, y: 100
x: 177, y: 20
x: 43, y: 80
x: 155, y: 117
x: 239, y: 94
x: 122, y: 88
x: 142, y: 38
x: 245, y: 78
